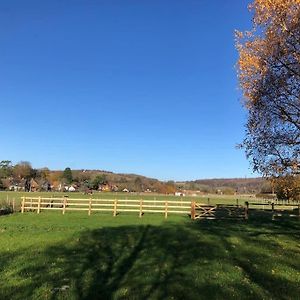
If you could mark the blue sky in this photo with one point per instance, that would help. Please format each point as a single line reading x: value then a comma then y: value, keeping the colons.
x: 145, y: 87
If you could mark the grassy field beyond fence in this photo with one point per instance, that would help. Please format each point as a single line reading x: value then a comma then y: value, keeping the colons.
x: 208, y: 199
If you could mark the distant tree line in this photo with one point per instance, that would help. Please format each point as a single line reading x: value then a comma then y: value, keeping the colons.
x: 22, y: 176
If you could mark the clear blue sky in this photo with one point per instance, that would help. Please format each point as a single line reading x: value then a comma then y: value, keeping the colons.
x: 131, y: 86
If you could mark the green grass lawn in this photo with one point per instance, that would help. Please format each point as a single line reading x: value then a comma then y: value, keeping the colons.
x: 51, y: 256
x: 211, y: 199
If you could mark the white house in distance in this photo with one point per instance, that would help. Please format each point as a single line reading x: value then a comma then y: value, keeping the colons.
x: 70, y: 188
x: 179, y: 194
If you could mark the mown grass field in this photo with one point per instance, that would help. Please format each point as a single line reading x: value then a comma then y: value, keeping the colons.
x: 75, y: 256
x: 211, y: 199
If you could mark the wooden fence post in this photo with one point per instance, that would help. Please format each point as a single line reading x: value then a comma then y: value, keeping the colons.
x: 23, y: 205
x: 14, y: 205
x: 166, y: 209
x: 39, y: 205
x: 64, y: 205
x: 141, y: 208
x: 273, y: 218
x: 247, y: 210
x: 90, y: 206
x: 115, y: 208
x: 193, y: 210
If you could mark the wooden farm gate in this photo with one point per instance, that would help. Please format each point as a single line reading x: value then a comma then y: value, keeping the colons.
x: 218, y: 211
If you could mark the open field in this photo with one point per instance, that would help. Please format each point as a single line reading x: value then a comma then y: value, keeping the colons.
x: 75, y: 256
x: 211, y: 199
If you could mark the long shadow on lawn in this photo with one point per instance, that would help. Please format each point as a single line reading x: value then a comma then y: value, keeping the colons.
x: 194, y: 260
x: 266, y: 251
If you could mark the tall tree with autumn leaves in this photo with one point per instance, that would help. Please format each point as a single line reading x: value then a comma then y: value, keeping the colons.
x: 269, y: 76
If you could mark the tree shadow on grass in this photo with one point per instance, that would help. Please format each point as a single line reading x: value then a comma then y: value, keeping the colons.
x: 195, y: 260
x: 267, y: 252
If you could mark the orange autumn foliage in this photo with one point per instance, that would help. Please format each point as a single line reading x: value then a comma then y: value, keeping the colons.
x: 269, y: 75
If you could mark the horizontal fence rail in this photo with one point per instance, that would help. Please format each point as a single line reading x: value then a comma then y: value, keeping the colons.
x: 115, y: 206
x: 277, y: 209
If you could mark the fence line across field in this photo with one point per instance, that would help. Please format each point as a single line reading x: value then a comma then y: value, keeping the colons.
x: 109, y: 205
x: 277, y: 208
x: 115, y: 206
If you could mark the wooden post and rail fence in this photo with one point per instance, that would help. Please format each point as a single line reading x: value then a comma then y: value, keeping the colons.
x: 115, y: 206
x: 192, y: 208
x: 276, y: 208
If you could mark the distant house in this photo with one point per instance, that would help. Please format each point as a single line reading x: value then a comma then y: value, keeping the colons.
x: 105, y: 187
x: 45, y: 186
x: 72, y: 189
x: 34, y: 186
x: 15, y: 188
x: 219, y: 192
x: 114, y: 188
x: 179, y: 194
x: 7, y: 183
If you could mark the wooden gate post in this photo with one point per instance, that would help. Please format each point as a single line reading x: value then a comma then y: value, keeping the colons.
x: 39, y: 205
x: 23, y: 205
x: 193, y: 210
x: 246, y: 210
x: 273, y: 217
